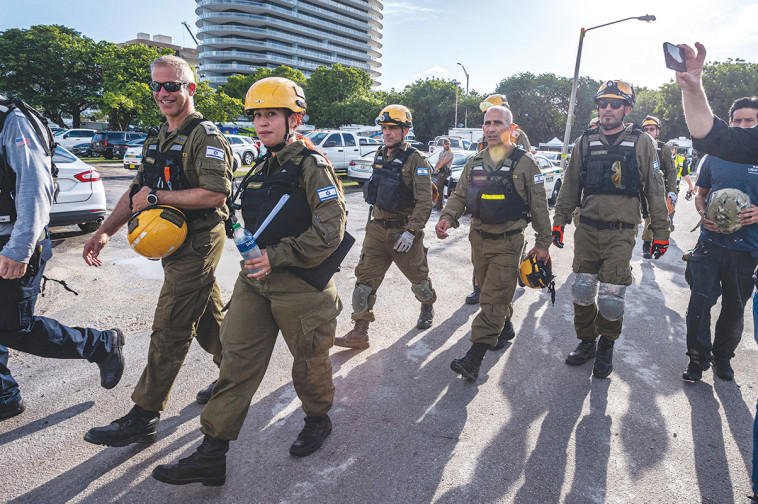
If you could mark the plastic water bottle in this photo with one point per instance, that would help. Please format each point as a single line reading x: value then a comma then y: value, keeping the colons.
x: 246, y: 244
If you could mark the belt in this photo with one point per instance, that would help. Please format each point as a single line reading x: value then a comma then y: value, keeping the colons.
x: 495, y: 236
x: 391, y: 224
x: 606, y: 225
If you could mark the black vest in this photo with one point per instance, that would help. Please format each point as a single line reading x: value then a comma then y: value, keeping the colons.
x: 610, y: 169
x: 7, y: 175
x: 386, y: 188
x: 263, y: 192
x: 492, y: 196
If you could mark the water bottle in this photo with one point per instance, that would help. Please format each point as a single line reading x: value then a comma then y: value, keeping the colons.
x: 246, y: 244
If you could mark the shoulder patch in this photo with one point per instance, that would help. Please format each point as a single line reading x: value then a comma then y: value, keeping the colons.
x: 210, y: 128
x: 539, y: 179
x: 656, y: 166
x: 422, y: 171
x: 214, y: 152
x: 327, y: 193
x: 320, y: 160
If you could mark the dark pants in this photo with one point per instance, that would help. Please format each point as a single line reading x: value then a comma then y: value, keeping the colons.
x: 21, y: 330
x: 442, y: 177
x: 714, y: 271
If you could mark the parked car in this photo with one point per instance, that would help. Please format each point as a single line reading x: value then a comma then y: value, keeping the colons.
x: 459, y: 161
x: 119, y: 150
x: 104, y: 142
x: 455, y: 143
x: 70, y: 138
x: 369, y: 141
x: 554, y: 157
x: 340, y: 147
x: 133, y: 155
x: 81, y: 195
x: 82, y: 150
x: 244, y: 147
x: 360, y: 169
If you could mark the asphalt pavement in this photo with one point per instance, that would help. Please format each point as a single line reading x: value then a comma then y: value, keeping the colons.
x: 406, y: 428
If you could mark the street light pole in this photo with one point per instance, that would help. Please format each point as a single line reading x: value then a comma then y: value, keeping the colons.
x: 465, y: 124
x: 570, y: 119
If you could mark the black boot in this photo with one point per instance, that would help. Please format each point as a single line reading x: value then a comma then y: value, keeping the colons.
x: 468, y: 366
x: 312, y: 436
x: 138, y: 426
x: 604, y: 360
x: 583, y: 352
x: 205, y: 395
x: 696, y: 366
x: 507, y: 334
x: 207, y: 465
x: 646, y: 250
x: 112, y: 366
x: 723, y: 368
x: 473, y: 298
x: 12, y: 409
x: 425, y: 317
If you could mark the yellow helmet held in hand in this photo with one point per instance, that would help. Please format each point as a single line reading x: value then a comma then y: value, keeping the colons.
x: 157, y: 231
x: 275, y: 92
x: 651, y: 121
x: 395, y: 114
x: 535, y: 274
x: 616, y: 89
x: 494, y: 100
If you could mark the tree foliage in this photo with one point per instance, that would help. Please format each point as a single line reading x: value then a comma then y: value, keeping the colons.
x: 329, y: 91
x: 432, y: 103
x: 217, y: 106
x: 237, y: 85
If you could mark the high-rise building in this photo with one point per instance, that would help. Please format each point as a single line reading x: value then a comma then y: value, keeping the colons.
x: 238, y: 36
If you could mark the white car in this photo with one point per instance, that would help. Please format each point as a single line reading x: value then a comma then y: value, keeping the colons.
x: 244, y: 149
x: 360, y: 169
x: 71, y: 137
x: 81, y: 195
x: 133, y: 155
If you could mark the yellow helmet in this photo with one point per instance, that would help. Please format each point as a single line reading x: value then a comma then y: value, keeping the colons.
x: 617, y: 89
x: 494, y: 100
x: 157, y: 231
x: 395, y: 114
x: 275, y: 92
x: 535, y: 274
x: 651, y: 121
x: 594, y: 122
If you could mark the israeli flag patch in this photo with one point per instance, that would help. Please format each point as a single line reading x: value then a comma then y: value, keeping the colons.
x: 656, y: 166
x: 327, y: 193
x: 422, y: 171
x: 539, y: 179
x: 214, y: 152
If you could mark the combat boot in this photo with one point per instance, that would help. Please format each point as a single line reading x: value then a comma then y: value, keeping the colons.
x: 204, y: 395
x: 138, y: 426
x: 604, y: 360
x: 473, y: 298
x: 584, y: 351
x: 469, y: 365
x: 425, y: 317
x: 695, y: 368
x: 507, y: 334
x: 646, y: 250
x: 356, y: 338
x: 207, y: 465
x: 723, y: 369
x: 312, y: 436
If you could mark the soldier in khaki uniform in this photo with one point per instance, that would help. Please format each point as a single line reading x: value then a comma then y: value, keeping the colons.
x: 503, y: 188
x: 400, y: 192
x: 652, y: 126
x: 187, y: 166
x: 613, y: 171
x: 272, y: 293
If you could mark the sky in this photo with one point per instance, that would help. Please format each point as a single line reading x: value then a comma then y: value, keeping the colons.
x: 492, y: 39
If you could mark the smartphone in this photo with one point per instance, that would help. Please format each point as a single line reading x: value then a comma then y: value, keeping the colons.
x: 674, y: 57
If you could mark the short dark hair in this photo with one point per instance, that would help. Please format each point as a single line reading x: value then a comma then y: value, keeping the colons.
x: 744, y: 102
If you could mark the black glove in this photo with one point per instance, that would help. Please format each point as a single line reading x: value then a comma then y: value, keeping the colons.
x: 558, y: 236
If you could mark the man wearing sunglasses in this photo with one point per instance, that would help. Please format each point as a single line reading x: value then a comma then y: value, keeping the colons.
x: 652, y: 126
x: 614, y: 174
x: 186, y: 165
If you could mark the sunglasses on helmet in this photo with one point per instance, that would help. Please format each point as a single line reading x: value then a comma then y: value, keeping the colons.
x: 170, y: 87
x: 615, y: 104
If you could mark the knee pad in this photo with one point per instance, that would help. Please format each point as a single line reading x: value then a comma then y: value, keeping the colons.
x: 610, y: 301
x: 423, y: 291
x: 361, y: 295
x: 584, y: 289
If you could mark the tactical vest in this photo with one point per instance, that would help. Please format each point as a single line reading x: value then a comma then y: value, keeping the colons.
x: 610, y: 169
x: 164, y: 171
x: 386, y: 188
x: 7, y: 175
x: 263, y: 191
x: 492, y: 197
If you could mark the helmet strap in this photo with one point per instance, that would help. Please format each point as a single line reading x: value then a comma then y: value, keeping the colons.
x: 283, y: 144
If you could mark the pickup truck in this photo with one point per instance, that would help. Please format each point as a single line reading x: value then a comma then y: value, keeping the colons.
x: 341, y: 147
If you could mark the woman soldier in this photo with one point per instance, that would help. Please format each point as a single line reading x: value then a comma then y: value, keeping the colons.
x: 271, y: 293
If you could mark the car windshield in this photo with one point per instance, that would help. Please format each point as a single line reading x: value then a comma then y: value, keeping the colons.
x: 316, y: 138
x: 61, y: 155
x: 116, y: 136
x: 59, y: 133
x: 136, y: 143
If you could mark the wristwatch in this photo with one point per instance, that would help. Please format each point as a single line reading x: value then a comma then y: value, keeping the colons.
x: 152, y: 198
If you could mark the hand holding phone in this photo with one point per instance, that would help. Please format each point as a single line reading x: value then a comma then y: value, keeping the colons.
x: 674, y: 57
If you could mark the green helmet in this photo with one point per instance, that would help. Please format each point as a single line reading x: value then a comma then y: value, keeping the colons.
x: 724, y: 207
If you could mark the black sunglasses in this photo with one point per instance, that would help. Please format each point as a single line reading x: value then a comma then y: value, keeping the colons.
x: 649, y: 128
x: 171, y: 87
x: 615, y: 104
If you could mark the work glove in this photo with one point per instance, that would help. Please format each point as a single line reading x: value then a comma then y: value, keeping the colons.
x: 659, y: 248
x: 673, y: 197
x: 404, y: 243
x: 558, y: 236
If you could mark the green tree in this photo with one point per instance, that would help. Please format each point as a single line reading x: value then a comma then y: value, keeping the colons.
x: 328, y: 91
x: 215, y: 105
x: 237, y: 85
x: 53, y: 68
x: 432, y: 103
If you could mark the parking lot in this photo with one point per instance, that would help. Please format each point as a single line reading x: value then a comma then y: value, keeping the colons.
x: 406, y: 428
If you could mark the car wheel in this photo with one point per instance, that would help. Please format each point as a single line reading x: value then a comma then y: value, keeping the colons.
x: 556, y: 190
x: 90, y: 227
x: 248, y: 158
